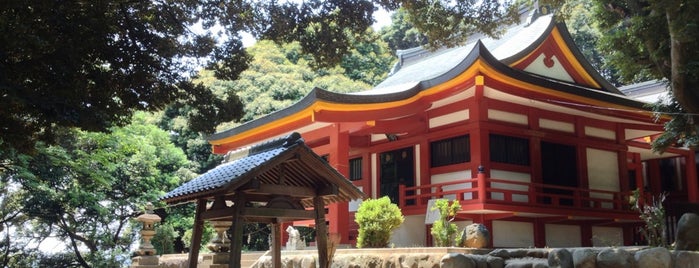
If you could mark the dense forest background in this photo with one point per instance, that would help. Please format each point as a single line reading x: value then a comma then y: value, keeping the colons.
x: 125, y: 118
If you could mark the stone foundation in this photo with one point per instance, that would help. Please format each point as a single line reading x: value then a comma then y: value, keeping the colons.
x: 639, y: 257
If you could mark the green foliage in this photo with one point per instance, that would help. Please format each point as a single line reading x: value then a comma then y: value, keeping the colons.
x: 181, y: 218
x: 626, y: 31
x: 443, y: 230
x: 449, y: 23
x: 369, y: 61
x: 86, y: 191
x: 164, y: 239
x: 680, y: 130
x: 279, y: 76
x: 653, y: 215
x: 377, y: 218
x: 401, y: 34
x: 92, y: 64
x: 13, y: 251
x: 206, y: 236
x: 654, y: 39
x: 581, y: 24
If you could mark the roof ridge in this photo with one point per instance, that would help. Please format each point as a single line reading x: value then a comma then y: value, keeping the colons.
x: 287, y: 141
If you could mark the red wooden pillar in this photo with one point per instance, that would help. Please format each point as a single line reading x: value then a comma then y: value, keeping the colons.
x: 586, y: 235
x: 338, y: 213
x: 628, y: 231
x: 654, y: 180
x: 424, y: 161
x: 482, y: 194
x: 692, y: 184
x: 634, y: 164
x: 479, y: 137
x: 539, y: 233
x: 583, y: 177
x: 535, y: 169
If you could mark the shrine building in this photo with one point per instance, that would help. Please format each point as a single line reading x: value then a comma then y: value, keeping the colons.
x: 521, y: 130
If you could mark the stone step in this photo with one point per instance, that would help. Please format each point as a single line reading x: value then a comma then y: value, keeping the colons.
x: 247, y: 259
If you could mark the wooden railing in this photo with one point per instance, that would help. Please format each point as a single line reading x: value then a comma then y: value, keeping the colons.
x: 501, y: 191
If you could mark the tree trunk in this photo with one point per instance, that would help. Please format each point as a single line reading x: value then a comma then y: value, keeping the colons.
x: 683, y: 87
x: 82, y: 261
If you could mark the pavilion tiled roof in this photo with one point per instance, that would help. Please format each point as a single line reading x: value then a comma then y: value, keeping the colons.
x: 261, y: 162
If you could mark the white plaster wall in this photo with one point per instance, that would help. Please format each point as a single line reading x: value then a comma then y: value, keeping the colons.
x: 607, y: 236
x: 513, y: 234
x: 556, y: 125
x: 411, y: 233
x: 559, y: 235
x: 556, y: 71
x: 603, y: 173
x: 454, y: 176
x: 510, y: 176
x: 507, y: 117
x: 446, y: 119
x: 600, y: 133
x: 354, y: 204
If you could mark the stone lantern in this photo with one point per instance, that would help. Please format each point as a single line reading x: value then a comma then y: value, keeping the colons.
x: 148, y: 219
x: 220, y: 243
x: 146, y: 251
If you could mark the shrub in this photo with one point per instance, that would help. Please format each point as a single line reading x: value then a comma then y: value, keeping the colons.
x: 443, y: 230
x: 653, y: 214
x: 377, y: 218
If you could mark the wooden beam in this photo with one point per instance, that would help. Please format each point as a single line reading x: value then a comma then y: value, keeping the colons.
x: 321, y: 232
x: 217, y: 214
x: 237, y: 228
x: 196, y: 233
x: 293, y: 191
x: 267, y: 220
x: 329, y: 190
x: 488, y: 216
x: 281, y: 213
x: 284, y: 213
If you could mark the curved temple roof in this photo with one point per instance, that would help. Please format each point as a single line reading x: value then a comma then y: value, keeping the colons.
x: 420, y: 70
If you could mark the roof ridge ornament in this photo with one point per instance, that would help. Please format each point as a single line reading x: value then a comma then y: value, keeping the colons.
x: 539, y: 11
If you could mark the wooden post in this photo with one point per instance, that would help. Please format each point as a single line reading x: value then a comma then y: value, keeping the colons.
x: 481, y: 185
x: 196, y: 233
x: 276, y: 245
x: 586, y: 235
x: 691, y: 175
x: 321, y: 232
x: 539, y: 233
x: 237, y: 227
